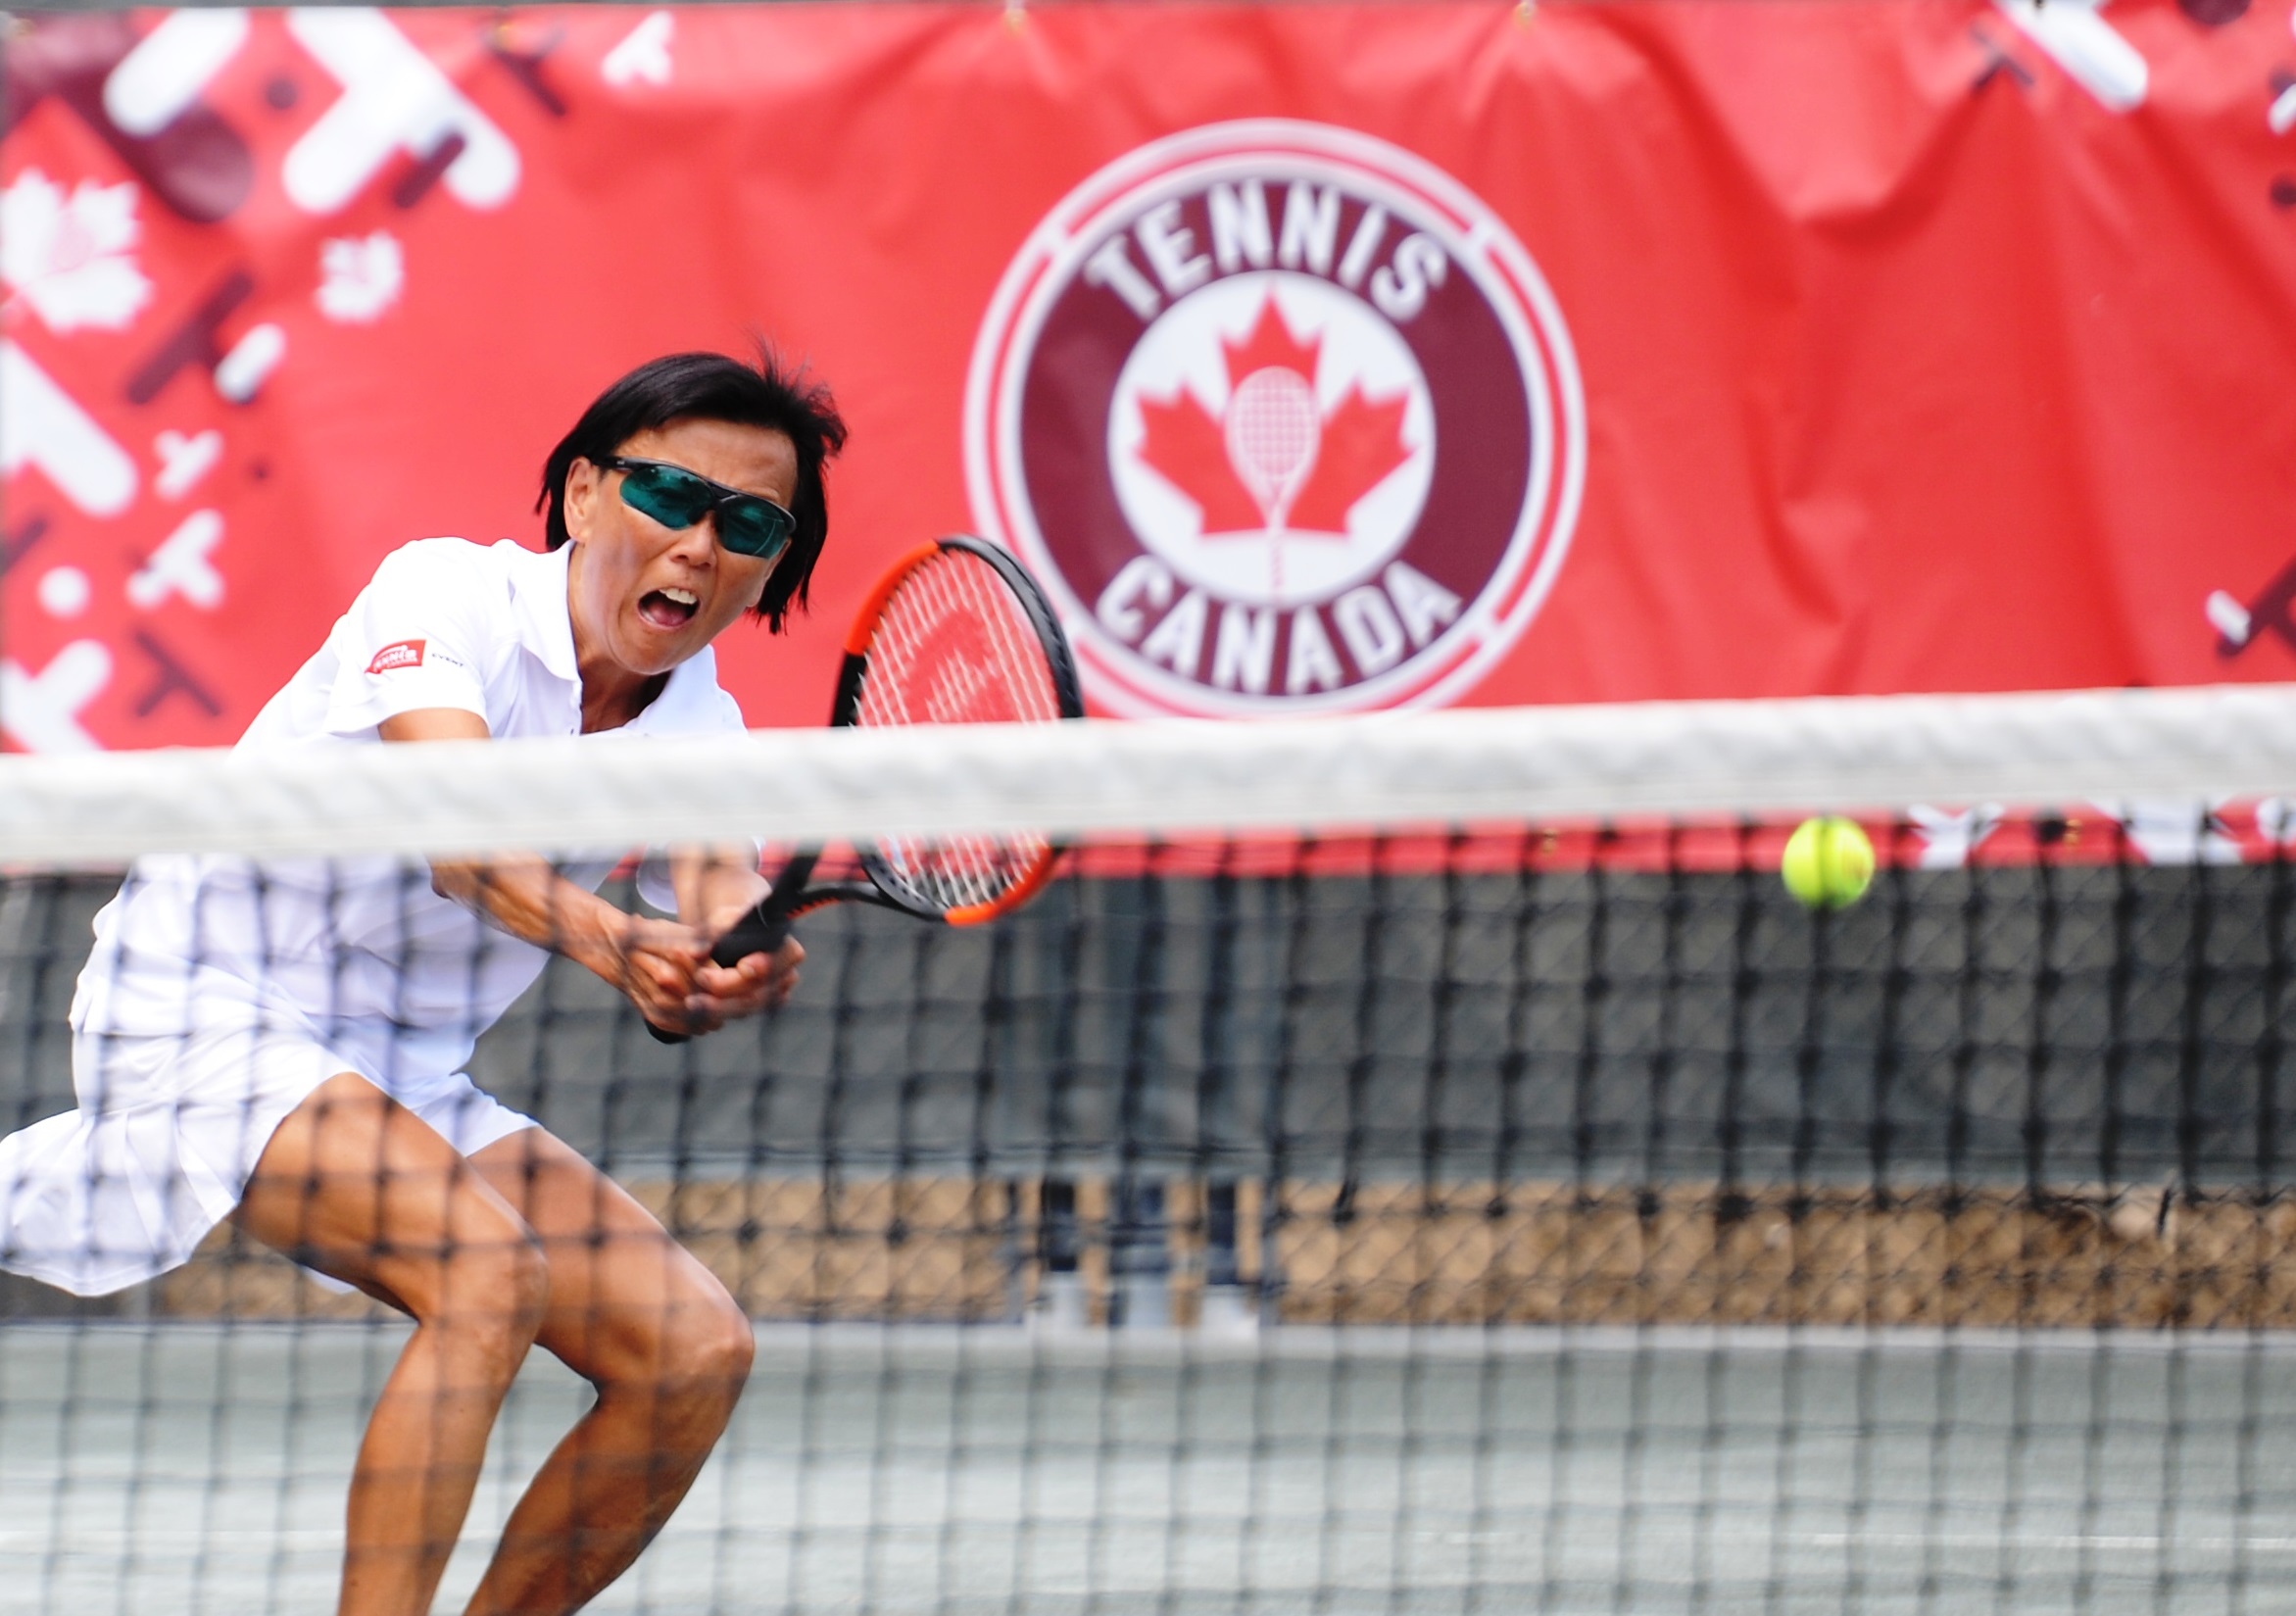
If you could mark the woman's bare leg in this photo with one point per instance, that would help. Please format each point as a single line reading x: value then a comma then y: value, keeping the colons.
x: 667, y: 1348
x: 357, y: 1185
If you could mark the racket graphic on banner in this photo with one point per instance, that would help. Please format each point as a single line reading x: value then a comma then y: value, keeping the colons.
x: 1274, y: 429
x: 954, y: 633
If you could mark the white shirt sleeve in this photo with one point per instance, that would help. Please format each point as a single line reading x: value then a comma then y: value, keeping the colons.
x: 417, y: 636
x: 653, y: 883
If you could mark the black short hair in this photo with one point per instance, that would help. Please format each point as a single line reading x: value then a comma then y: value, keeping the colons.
x: 714, y: 387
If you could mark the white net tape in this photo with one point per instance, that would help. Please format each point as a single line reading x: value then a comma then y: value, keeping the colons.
x: 1459, y: 767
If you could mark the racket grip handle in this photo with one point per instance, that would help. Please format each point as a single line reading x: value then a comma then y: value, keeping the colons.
x: 755, y: 932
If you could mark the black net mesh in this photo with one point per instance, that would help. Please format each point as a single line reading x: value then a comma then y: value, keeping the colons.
x: 1500, y: 1219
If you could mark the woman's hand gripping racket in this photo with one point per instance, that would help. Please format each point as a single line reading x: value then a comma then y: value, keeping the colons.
x: 954, y: 633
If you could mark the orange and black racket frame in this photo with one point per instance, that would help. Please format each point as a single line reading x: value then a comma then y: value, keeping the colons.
x: 765, y: 928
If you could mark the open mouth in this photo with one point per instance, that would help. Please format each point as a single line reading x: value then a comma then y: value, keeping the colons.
x: 668, y: 607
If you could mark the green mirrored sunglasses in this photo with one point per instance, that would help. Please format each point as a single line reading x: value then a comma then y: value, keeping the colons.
x: 748, y: 524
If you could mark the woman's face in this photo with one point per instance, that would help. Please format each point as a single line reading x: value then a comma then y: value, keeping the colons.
x: 647, y: 596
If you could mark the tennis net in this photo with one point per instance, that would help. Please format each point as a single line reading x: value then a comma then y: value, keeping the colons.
x: 1419, y: 1164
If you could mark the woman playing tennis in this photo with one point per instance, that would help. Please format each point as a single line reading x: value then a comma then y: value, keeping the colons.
x: 283, y: 1044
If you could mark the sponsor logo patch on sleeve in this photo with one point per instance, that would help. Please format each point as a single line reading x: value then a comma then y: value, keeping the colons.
x: 397, y: 655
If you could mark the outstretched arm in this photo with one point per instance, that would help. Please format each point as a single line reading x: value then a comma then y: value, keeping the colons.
x: 661, y: 965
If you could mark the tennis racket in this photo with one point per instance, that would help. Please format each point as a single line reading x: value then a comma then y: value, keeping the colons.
x: 954, y: 633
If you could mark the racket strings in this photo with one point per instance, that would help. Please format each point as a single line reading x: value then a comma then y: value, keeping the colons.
x: 954, y: 646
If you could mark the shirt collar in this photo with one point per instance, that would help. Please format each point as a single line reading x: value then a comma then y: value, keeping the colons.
x: 538, y: 597
x: 689, y: 701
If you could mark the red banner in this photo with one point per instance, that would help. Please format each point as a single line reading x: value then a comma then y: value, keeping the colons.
x: 1317, y: 358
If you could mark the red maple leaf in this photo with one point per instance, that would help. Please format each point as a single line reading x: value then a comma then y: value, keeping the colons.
x: 1270, y: 345
x: 1184, y: 445
x: 1187, y: 446
x: 1359, y: 446
x: 1362, y: 446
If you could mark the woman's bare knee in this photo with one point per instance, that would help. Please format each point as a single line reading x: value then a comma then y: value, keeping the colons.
x: 693, y: 1356
x: 357, y: 1185
x: 487, y: 1298
x: 710, y: 1346
x: 705, y: 1366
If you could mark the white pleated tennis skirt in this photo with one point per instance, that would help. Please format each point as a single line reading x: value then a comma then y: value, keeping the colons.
x: 165, y: 1139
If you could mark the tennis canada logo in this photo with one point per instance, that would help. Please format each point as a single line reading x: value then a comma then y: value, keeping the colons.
x: 1286, y: 421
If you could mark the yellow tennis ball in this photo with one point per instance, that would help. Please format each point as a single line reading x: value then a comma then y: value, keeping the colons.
x: 1828, y: 863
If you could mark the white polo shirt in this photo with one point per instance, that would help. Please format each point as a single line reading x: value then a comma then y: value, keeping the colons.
x: 361, y: 952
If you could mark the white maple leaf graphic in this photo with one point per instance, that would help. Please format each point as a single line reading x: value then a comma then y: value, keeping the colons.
x: 362, y: 276
x: 68, y: 255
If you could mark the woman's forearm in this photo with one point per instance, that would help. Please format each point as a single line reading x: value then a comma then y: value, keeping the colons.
x: 522, y: 895
x: 653, y: 961
x: 519, y: 893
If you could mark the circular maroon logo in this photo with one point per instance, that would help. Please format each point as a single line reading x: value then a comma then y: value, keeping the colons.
x: 1286, y: 421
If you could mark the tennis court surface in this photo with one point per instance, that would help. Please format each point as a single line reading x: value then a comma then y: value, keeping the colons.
x: 197, y: 1468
